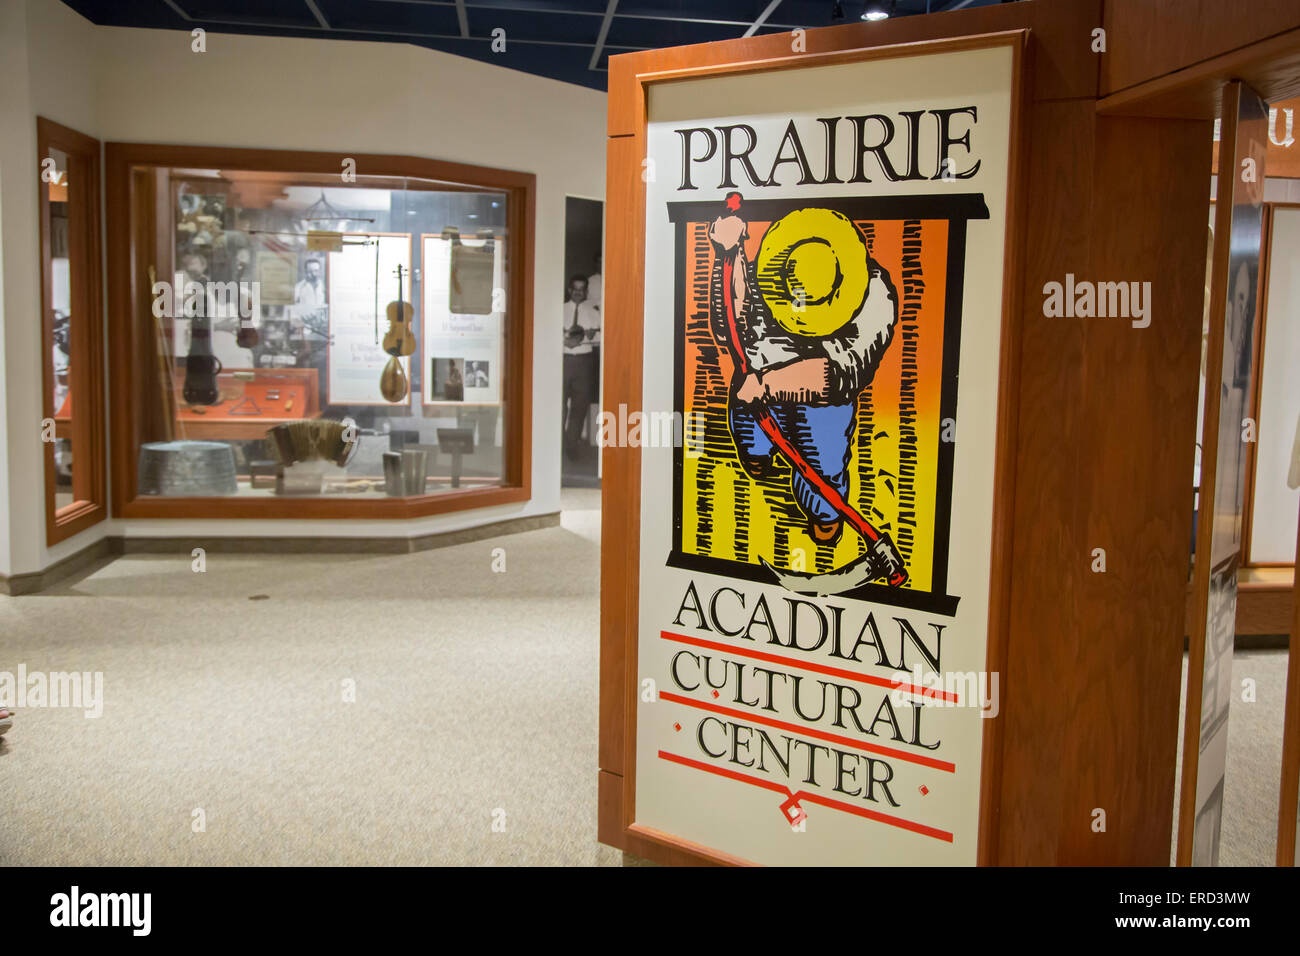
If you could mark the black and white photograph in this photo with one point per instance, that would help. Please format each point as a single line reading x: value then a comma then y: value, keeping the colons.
x: 477, y: 373
x: 583, y: 318
x: 448, y: 379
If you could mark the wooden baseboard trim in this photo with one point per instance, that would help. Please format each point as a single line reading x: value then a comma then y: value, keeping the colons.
x: 643, y: 842
x: 105, y: 549
x: 115, y: 545
x: 336, y: 545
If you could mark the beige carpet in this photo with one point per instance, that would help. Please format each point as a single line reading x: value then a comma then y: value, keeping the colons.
x: 475, y: 693
x: 1254, y: 775
x: 475, y: 701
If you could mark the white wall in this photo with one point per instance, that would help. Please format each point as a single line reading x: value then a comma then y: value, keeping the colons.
x: 47, y: 68
x: 148, y: 86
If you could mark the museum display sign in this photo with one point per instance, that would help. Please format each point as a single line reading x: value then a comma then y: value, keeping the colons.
x: 824, y: 325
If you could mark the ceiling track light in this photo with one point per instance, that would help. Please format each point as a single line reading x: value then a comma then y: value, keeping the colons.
x: 876, y: 10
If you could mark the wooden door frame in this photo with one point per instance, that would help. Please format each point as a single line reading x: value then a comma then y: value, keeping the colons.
x: 1289, y: 791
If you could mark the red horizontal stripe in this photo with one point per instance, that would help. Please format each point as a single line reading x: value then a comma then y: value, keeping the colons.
x: 804, y: 795
x: 809, y: 666
x: 812, y: 732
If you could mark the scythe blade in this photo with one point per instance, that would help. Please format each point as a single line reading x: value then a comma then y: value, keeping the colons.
x: 882, y: 560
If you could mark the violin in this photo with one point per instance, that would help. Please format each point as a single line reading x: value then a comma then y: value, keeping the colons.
x: 400, y: 337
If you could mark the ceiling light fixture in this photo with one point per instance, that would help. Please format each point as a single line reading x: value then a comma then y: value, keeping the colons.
x: 876, y: 11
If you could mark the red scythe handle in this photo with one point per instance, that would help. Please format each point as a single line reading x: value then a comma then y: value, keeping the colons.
x: 770, y: 428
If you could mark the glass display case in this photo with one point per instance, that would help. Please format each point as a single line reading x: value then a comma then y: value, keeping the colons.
x: 346, y: 337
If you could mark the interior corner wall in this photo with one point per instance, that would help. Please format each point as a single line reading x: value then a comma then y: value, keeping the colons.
x: 13, y: 110
x: 47, y: 57
x: 48, y: 70
x: 134, y: 85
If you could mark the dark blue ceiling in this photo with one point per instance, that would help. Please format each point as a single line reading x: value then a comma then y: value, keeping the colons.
x: 568, y: 40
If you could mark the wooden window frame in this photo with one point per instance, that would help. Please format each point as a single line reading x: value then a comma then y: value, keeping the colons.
x: 87, y: 335
x: 129, y: 347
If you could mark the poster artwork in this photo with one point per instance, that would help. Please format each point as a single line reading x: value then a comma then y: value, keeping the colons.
x: 820, y: 383
x: 809, y: 582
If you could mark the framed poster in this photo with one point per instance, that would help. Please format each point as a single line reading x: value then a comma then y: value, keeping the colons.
x: 825, y: 337
x: 1228, y: 402
x: 356, y: 358
x: 464, y: 352
x: 1272, y: 501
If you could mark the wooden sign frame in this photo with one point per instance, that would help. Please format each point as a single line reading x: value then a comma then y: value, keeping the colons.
x: 625, y: 295
x: 1207, y: 504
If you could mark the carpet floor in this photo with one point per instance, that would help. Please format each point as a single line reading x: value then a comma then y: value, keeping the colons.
x: 341, y: 709
x: 472, y: 738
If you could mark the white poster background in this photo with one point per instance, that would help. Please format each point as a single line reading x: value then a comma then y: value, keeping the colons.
x: 356, y: 362
x: 1276, y: 506
x: 731, y: 816
x: 454, y: 335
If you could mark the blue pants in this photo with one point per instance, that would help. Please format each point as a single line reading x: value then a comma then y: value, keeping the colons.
x: 819, y: 432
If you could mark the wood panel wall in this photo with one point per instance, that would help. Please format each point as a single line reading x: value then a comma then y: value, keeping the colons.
x: 1154, y: 38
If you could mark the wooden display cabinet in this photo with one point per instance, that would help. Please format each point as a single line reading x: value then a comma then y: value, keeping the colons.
x: 252, y: 402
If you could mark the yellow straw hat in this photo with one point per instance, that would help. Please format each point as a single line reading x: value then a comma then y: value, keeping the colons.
x: 812, y: 271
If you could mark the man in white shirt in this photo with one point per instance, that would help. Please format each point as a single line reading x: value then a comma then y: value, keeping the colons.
x: 309, y: 293
x: 581, y: 361
x: 581, y: 320
x: 311, y: 314
x: 596, y: 287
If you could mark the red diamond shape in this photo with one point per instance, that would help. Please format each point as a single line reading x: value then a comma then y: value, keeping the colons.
x: 677, y: 726
x: 715, y: 693
x: 924, y: 789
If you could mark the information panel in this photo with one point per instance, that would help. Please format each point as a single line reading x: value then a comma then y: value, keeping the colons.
x: 356, y: 357
x: 463, y: 351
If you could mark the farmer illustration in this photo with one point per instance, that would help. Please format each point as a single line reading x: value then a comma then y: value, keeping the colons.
x: 806, y: 326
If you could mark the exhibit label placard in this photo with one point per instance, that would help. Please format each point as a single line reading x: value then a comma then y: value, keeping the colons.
x: 824, y: 309
x: 463, y: 347
x: 362, y: 281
